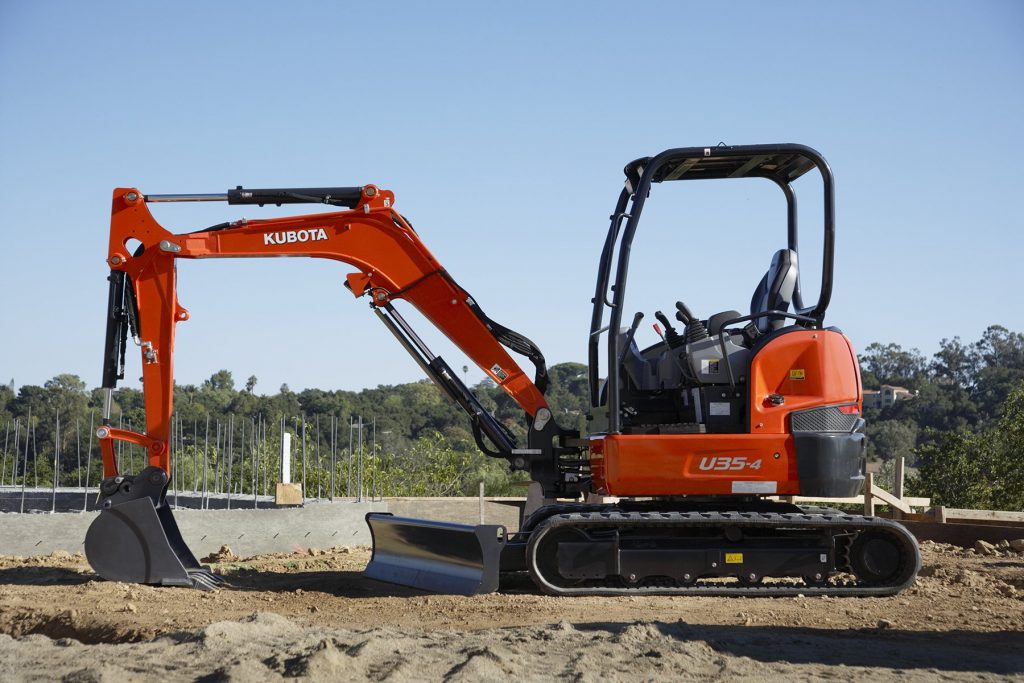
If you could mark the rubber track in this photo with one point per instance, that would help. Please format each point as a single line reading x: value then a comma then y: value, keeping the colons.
x: 839, y: 524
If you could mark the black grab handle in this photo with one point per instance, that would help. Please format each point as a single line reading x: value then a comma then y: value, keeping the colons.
x: 336, y: 196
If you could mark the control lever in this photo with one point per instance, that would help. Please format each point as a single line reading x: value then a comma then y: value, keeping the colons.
x: 695, y: 330
x: 629, y: 335
x: 683, y: 313
x: 671, y: 336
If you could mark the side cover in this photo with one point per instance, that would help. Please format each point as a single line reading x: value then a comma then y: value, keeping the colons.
x: 809, y: 369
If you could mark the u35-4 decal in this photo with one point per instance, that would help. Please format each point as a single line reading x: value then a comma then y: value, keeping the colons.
x: 725, y: 463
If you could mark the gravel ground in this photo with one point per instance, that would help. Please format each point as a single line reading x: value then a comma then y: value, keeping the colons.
x: 312, y: 615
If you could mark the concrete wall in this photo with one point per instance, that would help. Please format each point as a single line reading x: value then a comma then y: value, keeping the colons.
x: 464, y: 510
x: 250, y: 532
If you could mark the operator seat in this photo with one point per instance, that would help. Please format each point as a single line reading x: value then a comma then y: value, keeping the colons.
x: 775, y: 291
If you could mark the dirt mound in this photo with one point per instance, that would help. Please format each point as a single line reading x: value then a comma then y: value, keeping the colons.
x: 223, y: 555
x: 265, y: 647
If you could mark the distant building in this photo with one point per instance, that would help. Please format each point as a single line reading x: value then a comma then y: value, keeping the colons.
x: 885, y: 397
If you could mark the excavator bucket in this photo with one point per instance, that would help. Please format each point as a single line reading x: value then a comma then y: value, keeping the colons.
x: 135, y: 538
x: 443, y: 557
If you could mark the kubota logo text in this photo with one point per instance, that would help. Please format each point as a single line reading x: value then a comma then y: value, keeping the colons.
x: 290, y: 236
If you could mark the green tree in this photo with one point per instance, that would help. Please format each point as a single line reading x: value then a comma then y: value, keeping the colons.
x: 954, y: 363
x: 943, y: 407
x: 6, y: 398
x: 431, y: 467
x: 217, y: 392
x: 892, y: 364
x: 892, y: 439
x: 1006, y: 469
x: 999, y: 361
x: 950, y: 471
x: 984, y: 469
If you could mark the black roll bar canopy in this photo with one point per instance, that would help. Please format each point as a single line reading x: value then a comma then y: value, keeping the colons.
x: 781, y: 164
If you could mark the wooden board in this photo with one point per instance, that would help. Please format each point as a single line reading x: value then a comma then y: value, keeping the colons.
x: 987, y: 515
x: 963, y: 535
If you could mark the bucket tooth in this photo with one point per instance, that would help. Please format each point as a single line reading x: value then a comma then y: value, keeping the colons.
x: 136, y: 539
x: 443, y: 557
x: 206, y: 580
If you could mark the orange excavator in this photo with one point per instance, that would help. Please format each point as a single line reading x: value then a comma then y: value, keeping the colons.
x: 673, y: 490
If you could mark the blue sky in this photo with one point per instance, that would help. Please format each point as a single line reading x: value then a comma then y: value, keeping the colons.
x: 503, y: 129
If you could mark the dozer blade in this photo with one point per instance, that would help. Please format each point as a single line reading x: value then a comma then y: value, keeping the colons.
x: 443, y: 557
x: 135, y: 538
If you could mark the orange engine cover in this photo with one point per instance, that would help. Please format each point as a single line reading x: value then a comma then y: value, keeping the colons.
x: 809, y: 368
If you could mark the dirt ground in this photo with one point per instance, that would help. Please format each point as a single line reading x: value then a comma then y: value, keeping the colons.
x: 312, y: 615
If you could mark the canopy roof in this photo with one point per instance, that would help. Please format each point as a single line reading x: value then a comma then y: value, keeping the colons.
x: 781, y: 163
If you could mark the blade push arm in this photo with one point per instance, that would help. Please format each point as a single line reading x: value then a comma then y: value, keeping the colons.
x: 392, y: 264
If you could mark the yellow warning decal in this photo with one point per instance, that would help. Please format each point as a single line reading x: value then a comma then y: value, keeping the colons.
x: 734, y: 558
x: 796, y: 373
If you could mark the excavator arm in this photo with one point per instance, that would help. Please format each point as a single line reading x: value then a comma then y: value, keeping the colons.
x: 392, y: 264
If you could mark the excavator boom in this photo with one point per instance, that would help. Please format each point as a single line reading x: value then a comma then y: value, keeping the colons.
x: 392, y: 264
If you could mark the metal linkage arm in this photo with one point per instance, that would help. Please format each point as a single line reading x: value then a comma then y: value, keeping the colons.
x: 448, y: 382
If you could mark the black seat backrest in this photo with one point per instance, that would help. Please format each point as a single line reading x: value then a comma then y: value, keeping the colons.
x: 716, y: 321
x: 775, y: 291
